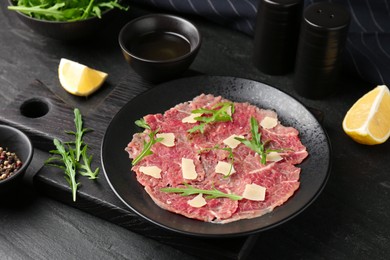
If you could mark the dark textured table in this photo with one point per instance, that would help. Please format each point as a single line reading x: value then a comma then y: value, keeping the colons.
x: 350, y: 219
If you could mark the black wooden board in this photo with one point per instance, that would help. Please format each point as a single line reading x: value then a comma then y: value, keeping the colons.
x: 44, y: 116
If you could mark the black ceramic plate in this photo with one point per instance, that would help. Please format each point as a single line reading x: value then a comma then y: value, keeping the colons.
x: 117, y: 165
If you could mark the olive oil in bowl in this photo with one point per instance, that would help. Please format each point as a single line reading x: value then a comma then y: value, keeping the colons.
x: 160, y: 46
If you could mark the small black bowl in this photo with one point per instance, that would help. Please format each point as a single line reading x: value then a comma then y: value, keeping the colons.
x: 67, y: 31
x: 19, y: 143
x: 159, y: 47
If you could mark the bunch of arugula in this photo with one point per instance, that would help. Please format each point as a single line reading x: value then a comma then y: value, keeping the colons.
x: 65, y: 10
x: 68, y: 156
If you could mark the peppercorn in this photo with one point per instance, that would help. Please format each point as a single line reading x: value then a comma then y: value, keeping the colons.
x: 9, y: 163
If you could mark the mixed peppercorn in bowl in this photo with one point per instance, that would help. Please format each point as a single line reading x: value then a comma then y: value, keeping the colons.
x: 16, y: 152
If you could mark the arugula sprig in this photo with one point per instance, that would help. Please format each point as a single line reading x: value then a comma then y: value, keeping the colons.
x: 255, y: 143
x: 230, y: 156
x: 146, y: 150
x: 68, y: 156
x: 65, y: 10
x: 211, y: 194
x: 218, y: 113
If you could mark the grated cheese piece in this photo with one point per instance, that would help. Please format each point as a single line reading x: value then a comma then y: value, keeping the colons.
x: 268, y: 122
x: 224, y: 168
x: 274, y: 157
x: 254, y: 192
x: 168, y: 139
x: 191, y: 118
x: 231, y: 142
x: 197, y: 202
x: 153, y: 171
x: 188, y: 169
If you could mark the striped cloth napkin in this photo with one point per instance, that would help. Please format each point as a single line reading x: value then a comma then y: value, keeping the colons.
x: 368, y: 45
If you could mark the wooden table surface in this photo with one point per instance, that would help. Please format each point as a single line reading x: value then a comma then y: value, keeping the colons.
x: 349, y: 220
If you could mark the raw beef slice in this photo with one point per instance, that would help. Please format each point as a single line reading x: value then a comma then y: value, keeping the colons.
x: 279, y: 178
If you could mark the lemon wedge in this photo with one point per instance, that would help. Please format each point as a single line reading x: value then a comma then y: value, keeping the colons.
x: 368, y: 120
x: 79, y: 79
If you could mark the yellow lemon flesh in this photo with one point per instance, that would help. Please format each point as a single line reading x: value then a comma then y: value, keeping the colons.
x: 79, y: 79
x: 368, y: 120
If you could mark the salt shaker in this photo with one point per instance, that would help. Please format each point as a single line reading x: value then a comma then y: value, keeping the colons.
x: 323, y: 34
x: 276, y: 35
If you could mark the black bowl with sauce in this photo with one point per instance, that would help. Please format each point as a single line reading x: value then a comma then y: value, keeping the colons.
x: 15, y: 141
x: 159, y: 47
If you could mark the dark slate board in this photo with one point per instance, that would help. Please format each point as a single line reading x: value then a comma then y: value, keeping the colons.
x: 96, y: 197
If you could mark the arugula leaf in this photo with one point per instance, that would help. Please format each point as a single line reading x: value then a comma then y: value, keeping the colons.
x: 147, y: 146
x: 211, y: 194
x: 255, y: 143
x: 218, y: 113
x: 142, y: 123
x: 80, y: 131
x: 87, y: 10
x: 85, y: 168
x: 65, y: 10
x: 69, y: 165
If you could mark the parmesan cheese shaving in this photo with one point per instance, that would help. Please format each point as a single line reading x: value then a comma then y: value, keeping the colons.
x: 268, y: 122
x: 197, y: 202
x: 274, y: 157
x: 229, y: 111
x: 188, y: 169
x: 168, y: 139
x: 231, y: 142
x: 254, y: 192
x: 191, y: 118
x: 224, y: 168
x: 153, y: 171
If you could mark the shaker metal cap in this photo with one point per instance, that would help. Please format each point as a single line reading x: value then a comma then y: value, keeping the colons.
x: 327, y: 16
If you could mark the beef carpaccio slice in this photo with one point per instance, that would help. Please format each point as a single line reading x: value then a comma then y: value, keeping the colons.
x: 280, y: 178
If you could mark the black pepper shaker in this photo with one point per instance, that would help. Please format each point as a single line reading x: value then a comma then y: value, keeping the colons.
x: 276, y: 35
x: 323, y: 34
